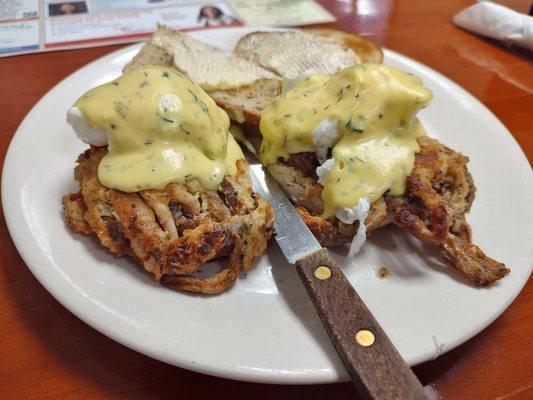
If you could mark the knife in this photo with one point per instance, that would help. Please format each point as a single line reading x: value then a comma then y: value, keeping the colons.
x: 375, y: 366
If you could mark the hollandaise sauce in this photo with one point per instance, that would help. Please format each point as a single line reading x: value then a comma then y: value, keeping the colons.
x: 374, y: 106
x: 162, y: 128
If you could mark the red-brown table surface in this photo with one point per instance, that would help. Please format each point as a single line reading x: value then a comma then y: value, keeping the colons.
x: 47, y: 353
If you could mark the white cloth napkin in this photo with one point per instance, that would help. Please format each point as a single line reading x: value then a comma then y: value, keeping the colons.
x: 497, y: 22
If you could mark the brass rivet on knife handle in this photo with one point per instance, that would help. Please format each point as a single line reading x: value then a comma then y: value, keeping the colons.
x: 365, y: 338
x: 322, y: 273
x: 375, y: 366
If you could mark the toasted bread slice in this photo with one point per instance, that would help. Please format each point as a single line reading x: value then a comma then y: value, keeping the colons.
x: 150, y: 54
x: 208, y: 66
x: 246, y: 103
x: 295, y: 52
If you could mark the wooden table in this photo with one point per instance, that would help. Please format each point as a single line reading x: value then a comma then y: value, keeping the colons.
x: 47, y: 353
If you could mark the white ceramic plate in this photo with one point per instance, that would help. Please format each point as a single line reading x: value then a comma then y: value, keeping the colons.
x: 265, y: 329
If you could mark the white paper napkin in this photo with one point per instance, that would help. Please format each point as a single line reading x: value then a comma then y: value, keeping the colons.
x: 497, y: 22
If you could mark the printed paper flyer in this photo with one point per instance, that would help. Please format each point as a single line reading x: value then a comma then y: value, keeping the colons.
x: 33, y: 25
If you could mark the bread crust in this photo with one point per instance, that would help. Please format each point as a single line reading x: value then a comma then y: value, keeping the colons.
x: 367, y: 51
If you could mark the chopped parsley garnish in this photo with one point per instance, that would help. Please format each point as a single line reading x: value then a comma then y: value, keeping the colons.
x: 184, y: 130
x: 114, y: 83
x: 193, y: 95
x: 167, y: 120
x: 200, y: 103
x: 165, y: 74
x: 352, y: 128
x: 287, y: 115
x: 309, y: 91
x: 113, y: 126
x: 341, y: 92
x: 143, y: 84
x: 120, y: 108
x: 203, y: 106
x: 149, y: 141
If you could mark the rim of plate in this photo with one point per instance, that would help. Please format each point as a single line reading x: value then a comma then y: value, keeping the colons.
x: 93, y: 315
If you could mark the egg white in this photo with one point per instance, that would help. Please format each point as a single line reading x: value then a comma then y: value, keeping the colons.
x: 84, y: 130
x: 324, y: 137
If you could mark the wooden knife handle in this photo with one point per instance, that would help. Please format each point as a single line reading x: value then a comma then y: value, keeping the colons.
x: 375, y: 366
